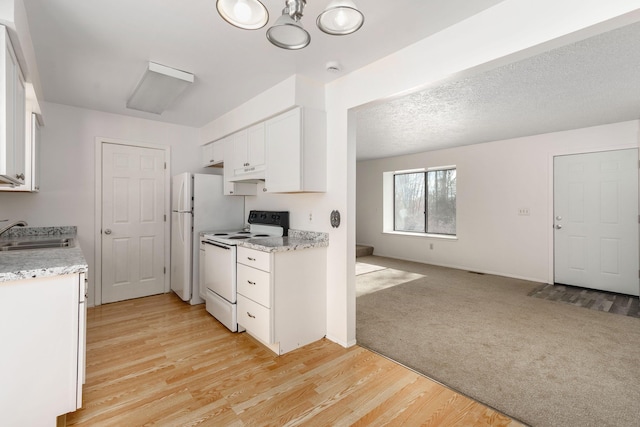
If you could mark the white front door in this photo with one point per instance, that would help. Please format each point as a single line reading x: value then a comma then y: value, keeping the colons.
x: 596, y: 221
x: 133, y: 241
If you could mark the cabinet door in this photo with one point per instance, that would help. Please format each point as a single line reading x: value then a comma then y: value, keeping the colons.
x: 20, y: 126
x: 32, y: 155
x: 240, y: 151
x: 254, y: 258
x: 7, y: 135
x: 233, y: 188
x: 206, y: 152
x: 284, y: 152
x: 254, y: 284
x: 248, y: 150
x: 39, y: 362
x: 35, y: 153
x: 229, y: 187
x: 255, y: 318
x: 212, y: 154
x: 12, y: 118
x: 82, y: 337
x: 255, y: 144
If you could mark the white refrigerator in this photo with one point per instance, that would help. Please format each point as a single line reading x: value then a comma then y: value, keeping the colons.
x: 197, y: 204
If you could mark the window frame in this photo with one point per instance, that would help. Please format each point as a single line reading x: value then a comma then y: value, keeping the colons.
x: 424, y: 172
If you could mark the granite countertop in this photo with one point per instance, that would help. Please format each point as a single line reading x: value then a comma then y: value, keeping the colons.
x: 31, y: 263
x: 296, y: 240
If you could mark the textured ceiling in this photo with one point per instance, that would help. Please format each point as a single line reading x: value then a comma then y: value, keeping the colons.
x: 592, y: 82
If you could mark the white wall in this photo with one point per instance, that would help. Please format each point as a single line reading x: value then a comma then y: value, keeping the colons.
x: 494, y: 180
x: 67, y: 188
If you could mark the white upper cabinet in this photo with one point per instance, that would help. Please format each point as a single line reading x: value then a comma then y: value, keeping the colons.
x: 12, y: 115
x: 212, y: 154
x: 32, y: 151
x: 34, y: 176
x: 296, y: 153
x: 232, y: 188
x: 248, y: 153
x: 288, y: 152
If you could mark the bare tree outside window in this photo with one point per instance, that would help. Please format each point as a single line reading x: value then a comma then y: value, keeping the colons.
x: 409, y: 202
x: 441, y: 202
x: 425, y: 202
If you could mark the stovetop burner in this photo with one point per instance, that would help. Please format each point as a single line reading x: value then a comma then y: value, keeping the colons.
x: 262, y: 224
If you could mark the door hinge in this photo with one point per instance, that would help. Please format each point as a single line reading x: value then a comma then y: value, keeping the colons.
x: 165, y: 217
x: 164, y: 270
x: 165, y: 165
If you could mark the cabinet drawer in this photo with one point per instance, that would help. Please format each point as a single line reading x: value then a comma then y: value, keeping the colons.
x: 255, y: 259
x: 254, y: 284
x: 255, y: 318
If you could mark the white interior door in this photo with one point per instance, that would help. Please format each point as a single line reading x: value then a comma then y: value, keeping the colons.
x: 133, y: 241
x: 596, y: 220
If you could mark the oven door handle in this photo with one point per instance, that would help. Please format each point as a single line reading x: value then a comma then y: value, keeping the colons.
x: 206, y: 242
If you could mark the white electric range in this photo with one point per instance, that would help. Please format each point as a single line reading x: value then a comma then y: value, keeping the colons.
x: 218, y: 253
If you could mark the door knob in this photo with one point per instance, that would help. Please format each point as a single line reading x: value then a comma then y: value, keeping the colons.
x: 558, y: 226
x: 107, y: 231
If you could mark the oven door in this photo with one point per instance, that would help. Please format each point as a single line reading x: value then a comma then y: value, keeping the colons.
x: 220, y: 269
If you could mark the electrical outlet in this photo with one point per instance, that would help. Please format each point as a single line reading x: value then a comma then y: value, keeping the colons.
x: 310, y: 217
x: 524, y: 211
x: 431, y: 246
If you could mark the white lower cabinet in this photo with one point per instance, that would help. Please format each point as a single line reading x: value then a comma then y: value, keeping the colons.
x: 256, y: 319
x: 254, y: 284
x: 282, y: 296
x: 42, y: 362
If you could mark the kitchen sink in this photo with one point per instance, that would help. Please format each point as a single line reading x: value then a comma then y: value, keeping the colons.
x: 17, y: 245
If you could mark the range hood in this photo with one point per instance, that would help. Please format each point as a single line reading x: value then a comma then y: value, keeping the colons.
x: 254, y: 175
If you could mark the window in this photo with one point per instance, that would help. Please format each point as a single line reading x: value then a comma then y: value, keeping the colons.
x: 425, y: 202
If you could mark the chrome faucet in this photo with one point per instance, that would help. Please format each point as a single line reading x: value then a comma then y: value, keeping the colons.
x: 20, y: 223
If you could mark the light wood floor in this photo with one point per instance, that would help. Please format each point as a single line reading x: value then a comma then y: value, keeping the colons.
x: 159, y: 361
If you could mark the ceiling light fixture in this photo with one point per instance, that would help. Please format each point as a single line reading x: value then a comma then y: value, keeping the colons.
x: 339, y: 18
x: 288, y: 32
x: 159, y: 87
x: 245, y: 14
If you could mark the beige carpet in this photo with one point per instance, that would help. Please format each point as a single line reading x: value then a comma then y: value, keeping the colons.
x: 543, y: 362
x: 382, y: 279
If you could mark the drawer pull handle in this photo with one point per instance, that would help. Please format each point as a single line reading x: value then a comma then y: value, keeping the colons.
x: 251, y: 259
x: 250, y: 282
x: 251, y: 315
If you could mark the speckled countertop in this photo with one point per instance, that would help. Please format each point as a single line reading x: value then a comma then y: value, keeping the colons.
x: 25, y: 264
x: 296, y: 240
